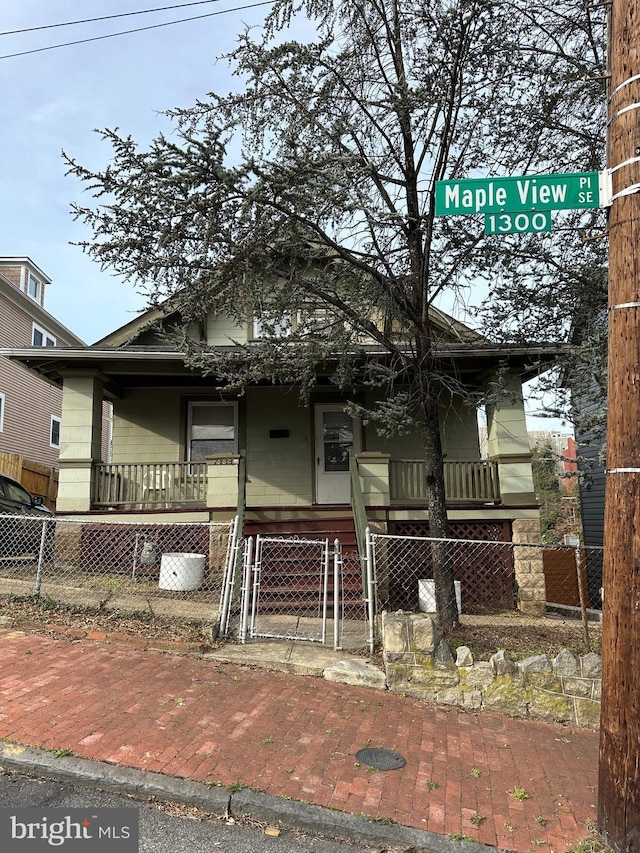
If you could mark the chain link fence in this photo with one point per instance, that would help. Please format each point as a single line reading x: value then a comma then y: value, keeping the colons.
x: 172, y: 569
x: 505, y: 580
x: 286, y: 586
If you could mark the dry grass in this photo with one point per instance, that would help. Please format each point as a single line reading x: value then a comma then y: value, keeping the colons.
x: 39, y: 614
x: 519, y: 636
x: 522, y: 637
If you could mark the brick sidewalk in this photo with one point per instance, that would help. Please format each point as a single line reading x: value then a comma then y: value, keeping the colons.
x: 297, y: 737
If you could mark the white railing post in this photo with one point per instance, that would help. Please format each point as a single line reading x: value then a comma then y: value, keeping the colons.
x: 228, y: 578
x: 246, y: 590
x: 325, y: 573
x: 43, y: 542
x: 337, y: 562
x: 369, y: 567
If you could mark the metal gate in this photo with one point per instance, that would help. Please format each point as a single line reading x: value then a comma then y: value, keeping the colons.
x: 291, y: 588
x: 285, y: 589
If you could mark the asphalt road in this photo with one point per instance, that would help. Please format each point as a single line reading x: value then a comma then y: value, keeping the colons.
x: 166, y: 828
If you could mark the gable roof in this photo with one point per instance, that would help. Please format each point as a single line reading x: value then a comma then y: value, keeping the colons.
x: 123, y: 360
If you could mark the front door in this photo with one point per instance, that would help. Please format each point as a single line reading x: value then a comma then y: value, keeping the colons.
x: 337, y: 435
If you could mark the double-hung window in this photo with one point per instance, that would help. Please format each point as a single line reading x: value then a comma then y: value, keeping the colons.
x: 34, y: 289
x: 42, y: 338
x: 54, y: 439
x: 270, y: 325
x: 212, y: 428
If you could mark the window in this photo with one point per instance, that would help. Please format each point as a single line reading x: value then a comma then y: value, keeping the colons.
x: 55, y: 432
x: 42, y: 338
x: 212, y: 429
x: 34, y: 288
x: 268, y: 325
x: 1, y: 411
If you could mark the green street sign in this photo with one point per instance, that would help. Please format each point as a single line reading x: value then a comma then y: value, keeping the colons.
x: 526, y: 222
x: 523, y: 193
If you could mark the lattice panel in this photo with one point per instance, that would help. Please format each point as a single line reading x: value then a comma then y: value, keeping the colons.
x: 485, y: 531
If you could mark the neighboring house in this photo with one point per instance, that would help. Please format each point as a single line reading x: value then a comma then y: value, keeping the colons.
x: 30, y: 407
x: 562, y: 447
x: 182, y: 450
x: 591, y: 462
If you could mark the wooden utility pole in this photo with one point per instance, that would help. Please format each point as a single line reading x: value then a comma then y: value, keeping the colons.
x: 619, y: 768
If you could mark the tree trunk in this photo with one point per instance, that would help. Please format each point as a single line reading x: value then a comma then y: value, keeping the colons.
x: 446, y: 606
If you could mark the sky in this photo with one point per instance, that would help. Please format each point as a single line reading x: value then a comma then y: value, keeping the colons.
x: 53, y: 100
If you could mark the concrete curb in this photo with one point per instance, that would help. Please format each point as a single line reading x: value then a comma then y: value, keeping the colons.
x: 291, y: 814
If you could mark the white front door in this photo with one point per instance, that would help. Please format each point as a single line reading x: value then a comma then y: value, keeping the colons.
x: 337, y: 435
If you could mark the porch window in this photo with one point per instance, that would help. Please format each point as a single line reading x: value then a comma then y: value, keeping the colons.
x: 212, y: 429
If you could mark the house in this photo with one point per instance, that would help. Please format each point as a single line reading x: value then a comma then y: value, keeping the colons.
x: 591, y: 449
x: 184, y: 451
x: 561, y: 447
x: 30, y: 407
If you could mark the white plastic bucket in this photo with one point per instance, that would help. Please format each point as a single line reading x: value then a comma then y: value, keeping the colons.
x: 181, y: 571
x: 427, y: 595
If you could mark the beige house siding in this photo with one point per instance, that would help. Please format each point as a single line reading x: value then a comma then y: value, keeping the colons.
x: 223, y: 331
x: 28, y: 406
x: 147, y: 426
x: 279, y: 470
x: 29, y: 402
x: 459, y: 428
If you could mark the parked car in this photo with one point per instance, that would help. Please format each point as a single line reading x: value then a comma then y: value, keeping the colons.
x: 21, y: 520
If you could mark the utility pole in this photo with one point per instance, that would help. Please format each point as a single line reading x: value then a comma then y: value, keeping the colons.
x: 619, y: 766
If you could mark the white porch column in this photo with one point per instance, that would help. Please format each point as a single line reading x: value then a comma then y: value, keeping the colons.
x: 81, y: 439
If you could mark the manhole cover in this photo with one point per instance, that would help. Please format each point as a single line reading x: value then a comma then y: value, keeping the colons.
x: 381, y: 759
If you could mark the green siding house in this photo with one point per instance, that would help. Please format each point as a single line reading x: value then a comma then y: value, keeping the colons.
x: 181, y: 449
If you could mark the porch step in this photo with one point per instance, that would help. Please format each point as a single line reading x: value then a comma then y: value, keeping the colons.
x: 341, y: 528
x: 291, y: 584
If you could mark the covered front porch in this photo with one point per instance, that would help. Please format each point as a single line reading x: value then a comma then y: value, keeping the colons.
x: 177, y: 444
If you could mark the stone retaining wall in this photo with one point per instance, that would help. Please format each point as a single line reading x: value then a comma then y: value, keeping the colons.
x: 419, y: 663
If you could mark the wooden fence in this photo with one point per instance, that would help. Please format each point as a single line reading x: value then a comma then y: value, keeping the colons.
x: 37, y: 478
x: 561, y: 576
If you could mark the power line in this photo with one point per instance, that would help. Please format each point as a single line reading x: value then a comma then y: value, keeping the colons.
x: 106, y: 17
x: 137, y: 30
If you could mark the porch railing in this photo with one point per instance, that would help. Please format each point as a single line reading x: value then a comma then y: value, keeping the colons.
x: 474, y: 481
x: 150, y: 485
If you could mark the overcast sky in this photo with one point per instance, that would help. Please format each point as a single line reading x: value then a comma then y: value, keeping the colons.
x: 52, y: 100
